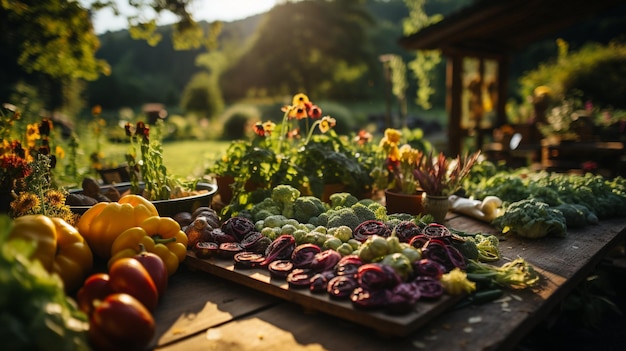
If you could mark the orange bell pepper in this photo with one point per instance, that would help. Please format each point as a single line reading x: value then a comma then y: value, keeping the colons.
x: 105, y: 221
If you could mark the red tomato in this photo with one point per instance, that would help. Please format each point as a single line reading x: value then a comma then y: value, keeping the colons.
x: 129, y: 276
x: 121, y: 322
x: 95, y: 288
x: 156, y: 267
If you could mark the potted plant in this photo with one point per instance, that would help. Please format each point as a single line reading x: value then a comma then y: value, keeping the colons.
x: 441, y: 177
x: 394, y: 174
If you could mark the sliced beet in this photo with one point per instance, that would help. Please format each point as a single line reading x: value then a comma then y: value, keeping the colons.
x: 280, y: 268
x: 369, y: 228
x: 238, y: 227
x: 299, y: 278
x: 304, y: 254
x: 341, y: 287
x: 247, y: 260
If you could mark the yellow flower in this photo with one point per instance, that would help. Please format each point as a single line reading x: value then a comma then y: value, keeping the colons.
x: 55, y: 198
x: 32, y: 134
x: 269, y: 127
x: 327, y: 123
x: 298, y: 112
x: 300, y: 100
x: 393, y: 135
x: 26, y: 202
x: 59, y: 152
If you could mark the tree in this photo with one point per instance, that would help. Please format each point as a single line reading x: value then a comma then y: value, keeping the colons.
x: 303, y: 46
x: 51, y: 44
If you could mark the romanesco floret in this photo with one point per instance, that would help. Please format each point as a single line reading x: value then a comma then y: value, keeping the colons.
x: 306, y: 207
x: 363, y: 212
x: 285, y: 196
x: 342, y: 200
x: 343, y: 216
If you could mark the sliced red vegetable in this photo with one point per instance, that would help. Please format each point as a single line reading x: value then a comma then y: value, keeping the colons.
x: 419, y: 240
x: 375, y: 276
x: 429, y: 287
x: 402, y: 298
x: 437, y: 230
x: 255, y: 242
x: 228, y: 250
x: 325, y: 260
x: 303, y: 255
x: 205, y: 249
x: 348, y: 265
x: 428, y: 268
x: 238, y: 227
x: 369, y: 300
x: 218, y: 236
x: 341, y: 287
x: 319, y: 281
x: 406, y: 230
x: 280, y: 268
x: 247, y: 260
x: 369, y: 228
x: 280, y: 249
x: 299, y: 278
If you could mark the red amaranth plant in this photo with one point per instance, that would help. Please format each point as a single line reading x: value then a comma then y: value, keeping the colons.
x: 441, y: 175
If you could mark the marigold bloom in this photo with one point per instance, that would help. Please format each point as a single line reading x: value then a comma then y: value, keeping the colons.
x: 393, y: 135
x: 269, y: 127
x: 32, y: 134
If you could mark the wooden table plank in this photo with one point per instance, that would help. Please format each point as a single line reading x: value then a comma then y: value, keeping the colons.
x: 195, y: 301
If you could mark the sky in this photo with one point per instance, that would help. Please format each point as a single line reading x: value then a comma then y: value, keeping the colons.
x: 209, y: 10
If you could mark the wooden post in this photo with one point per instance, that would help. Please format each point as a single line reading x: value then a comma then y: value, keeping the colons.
x: 454, y: 87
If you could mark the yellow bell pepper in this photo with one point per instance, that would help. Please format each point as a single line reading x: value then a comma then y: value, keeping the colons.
x: 59, y: 247
x: 105, y: 221
x: 159, y: 235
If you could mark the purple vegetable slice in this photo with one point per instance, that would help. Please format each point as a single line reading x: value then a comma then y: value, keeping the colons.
x: 428, y: 268
x: 299, y: 278
x: 218, y: 236
x: 406, y: 230
x: 402, y: 298
x: 228, y: 250
x: 238, y: 227
x: 438, y: 231
x: 419, y: 240
x: 319, y: 281
x: 341, y: 287
x: 369, y: 228
x: 348, y: 265
x: 325, y: 260
x: 205, y: 249
x: 429, y: 287
x: 303, y: 255
x: 280, y: 268
x: 375, y: 276
x: 280, y: 249
x: 369, y: 300
x: 446, y: 255
x: 255, y: 242
x: 247, y: 260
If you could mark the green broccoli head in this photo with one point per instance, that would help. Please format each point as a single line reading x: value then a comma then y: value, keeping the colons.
x: 343, y: 216
x: 531, y: 219
x: 306, y: 207
x: 342, y: 200
x: 265, y: 208
x: 363, y: 212
x: 284, y: 196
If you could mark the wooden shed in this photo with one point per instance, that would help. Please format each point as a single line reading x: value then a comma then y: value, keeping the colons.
x: 478, y: 41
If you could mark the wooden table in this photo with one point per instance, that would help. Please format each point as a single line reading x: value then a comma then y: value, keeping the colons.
x: 204, y: 312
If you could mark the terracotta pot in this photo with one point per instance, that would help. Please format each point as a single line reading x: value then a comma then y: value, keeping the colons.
x: 403, y: 203
x: 437, y: 206
x: 223, y: 188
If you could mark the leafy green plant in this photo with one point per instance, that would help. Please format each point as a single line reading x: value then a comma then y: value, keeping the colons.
x: 439, y: 175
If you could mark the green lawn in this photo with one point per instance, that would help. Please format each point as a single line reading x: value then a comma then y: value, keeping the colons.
x: 187, y: 159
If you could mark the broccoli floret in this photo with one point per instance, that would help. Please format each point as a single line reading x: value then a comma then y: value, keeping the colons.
x: 322, y: 219
x: 367, y: 202
x: 363, y: 212
x: 342, y: 200
x: 265, y: 208
x: 275, y: 221
x: 285, y: 196
x: 531, y: 219
x: 343, y: 216
x: 306, y: 207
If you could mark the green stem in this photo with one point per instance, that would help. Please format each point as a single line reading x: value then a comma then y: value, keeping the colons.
x: 308, y: 137
x: 283, y: 131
